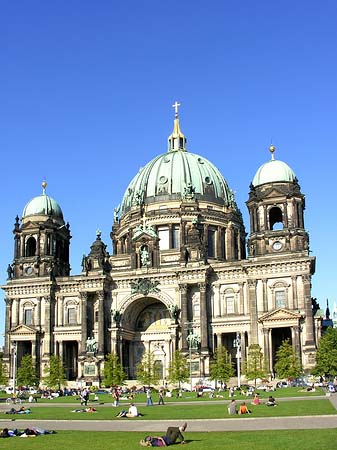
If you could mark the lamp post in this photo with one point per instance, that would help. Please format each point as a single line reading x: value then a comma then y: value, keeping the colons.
x: 237, y: 345
x: 14, y: 352
x: 193, y: 341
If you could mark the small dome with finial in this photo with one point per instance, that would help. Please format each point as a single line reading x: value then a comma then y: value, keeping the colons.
x: 42, y: 205
x: 273, y: 171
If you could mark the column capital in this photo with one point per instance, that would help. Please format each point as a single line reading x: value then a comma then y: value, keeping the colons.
x: 183, y: 288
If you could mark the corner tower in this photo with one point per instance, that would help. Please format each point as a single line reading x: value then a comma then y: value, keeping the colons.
x: 41, y: 241
x: 276, y: 207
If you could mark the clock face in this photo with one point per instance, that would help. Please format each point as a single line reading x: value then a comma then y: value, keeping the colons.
x: 29, y: 270
x: 277, y: 245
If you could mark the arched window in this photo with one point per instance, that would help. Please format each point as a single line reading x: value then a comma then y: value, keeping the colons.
x: 31, y: 246
x: 275, y: 218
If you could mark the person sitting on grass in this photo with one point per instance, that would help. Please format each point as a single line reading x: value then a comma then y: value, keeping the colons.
x: 271, y: 401
x: 243, y: 409
x: 256, y: 400
x: 232, y: 408
x: 132, y: 412
x: 171, y: 436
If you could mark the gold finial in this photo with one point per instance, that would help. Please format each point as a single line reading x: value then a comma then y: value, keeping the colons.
x: 44, y: 185
x: 272, y: 150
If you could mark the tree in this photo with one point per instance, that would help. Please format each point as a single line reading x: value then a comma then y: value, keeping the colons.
x: 221, y: 366
x: 147, y: 370
x: 55, y: 373
x: 114, y: 374
x: 326, y: 356
x: 3, y: 372
x: 26, y: 375
x: 178, y: 371
x: 287, y: 363
x: 255, y: 366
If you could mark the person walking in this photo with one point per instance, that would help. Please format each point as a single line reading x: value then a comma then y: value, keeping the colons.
x: 161, y: 397
x: 149, y: 401
x: 115, y: 395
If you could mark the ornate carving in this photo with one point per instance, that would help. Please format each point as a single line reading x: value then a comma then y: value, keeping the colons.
x: 183, y: 288
x: 116, y: 316
x: 144, y: 286
x: 174, y: 312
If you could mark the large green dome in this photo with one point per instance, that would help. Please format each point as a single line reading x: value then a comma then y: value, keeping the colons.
x: 170, y: 175
x: 42, y: 205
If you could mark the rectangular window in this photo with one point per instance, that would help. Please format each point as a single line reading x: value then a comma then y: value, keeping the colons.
x: 211, y: 243
x: 230, y: 305
x: 280, y: 299
x: 164, y: 236
x: 28, y: 316
x: 175, y: 236
x: 71, y: 316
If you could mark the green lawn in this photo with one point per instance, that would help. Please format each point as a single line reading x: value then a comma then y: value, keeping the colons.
x: 177, y: 411
x: 252, y: 440
x: 191, y: 396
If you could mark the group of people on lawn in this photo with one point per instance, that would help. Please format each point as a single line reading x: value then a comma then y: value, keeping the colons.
x: 243, y: 409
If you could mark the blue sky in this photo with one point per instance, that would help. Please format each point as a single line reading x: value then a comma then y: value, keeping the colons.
x: 86, y: 93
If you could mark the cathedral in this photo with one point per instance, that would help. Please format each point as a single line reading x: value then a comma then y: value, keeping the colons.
x: 183, y: 273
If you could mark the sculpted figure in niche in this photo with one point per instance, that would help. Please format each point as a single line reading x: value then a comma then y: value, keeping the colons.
x: 144, y: 256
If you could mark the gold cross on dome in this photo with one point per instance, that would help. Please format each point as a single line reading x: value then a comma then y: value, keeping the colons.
x: 176, y: 106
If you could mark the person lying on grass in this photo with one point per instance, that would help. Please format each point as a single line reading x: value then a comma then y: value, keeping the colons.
x: 171, y: 436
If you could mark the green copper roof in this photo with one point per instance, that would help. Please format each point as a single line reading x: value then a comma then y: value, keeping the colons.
x: 42, y: 205
x: 170, y: 174
x: 273, y: 171
x: 175, y: 175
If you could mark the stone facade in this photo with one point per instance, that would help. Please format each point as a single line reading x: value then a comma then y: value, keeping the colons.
x: 181, y: 263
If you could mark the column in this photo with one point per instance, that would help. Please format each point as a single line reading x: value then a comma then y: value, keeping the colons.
x: 295, y: 337
x: 294, y: 291
x: 61, y: 310
x: 265, y: 296
x: 8, y: 326
x: 266, y: 348
x: 16, y: 319
x: 229, y: 242
x: 309, y: 321
x: 84, y: 323
x: 101, y: 297
x: 47, y: 326
x: 203, y: 318
x: 184, y: 316
x: 241, y: 299
x: 217, y: 309
x: 219, y: 340
x: 239, y: 245
x: 252, y: 310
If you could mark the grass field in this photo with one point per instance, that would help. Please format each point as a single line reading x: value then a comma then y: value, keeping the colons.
x: 61, y: 408
x: 256, y: 440
x: 191, y: 396
x: 181, y: 411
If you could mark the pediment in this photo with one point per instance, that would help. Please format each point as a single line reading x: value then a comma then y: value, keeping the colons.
x: 275, y: 192
x: 22, y: 330
x: 143, y: 237
x: 280, y: 314
x: 144, y: 232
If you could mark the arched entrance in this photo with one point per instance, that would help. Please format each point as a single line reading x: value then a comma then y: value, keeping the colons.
x: 146, y: 328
